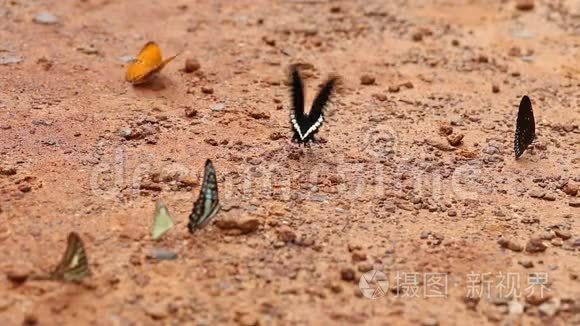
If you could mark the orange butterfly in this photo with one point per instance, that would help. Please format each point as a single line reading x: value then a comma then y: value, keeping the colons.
x: 148, y: 63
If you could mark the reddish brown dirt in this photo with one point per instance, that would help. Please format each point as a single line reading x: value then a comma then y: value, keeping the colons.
x: 381, y: 190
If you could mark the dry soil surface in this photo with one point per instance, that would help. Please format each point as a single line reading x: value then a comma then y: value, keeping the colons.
x: 454, y: 234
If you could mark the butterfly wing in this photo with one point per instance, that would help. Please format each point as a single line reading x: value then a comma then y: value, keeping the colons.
x: 147, y: 63
x: 158, y: 68
x: 165, y: 62
x: 207, y: 204
x: 525, y: 127
x: 297, y: 118
x: 162, y: 222
x: 74, y: 264
x: 316, y: 115
x: 150, y: 54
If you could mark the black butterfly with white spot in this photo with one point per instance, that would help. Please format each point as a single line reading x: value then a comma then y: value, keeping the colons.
x: 525, y: 127
x: 305, y: 126
x: 207, y: 204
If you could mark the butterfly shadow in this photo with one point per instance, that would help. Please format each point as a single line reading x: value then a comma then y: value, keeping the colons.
x: 530, y: 156
x: 309, y: 152
x: 157, y: 83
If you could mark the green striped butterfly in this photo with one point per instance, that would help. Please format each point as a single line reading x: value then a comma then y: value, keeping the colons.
x: 74, y: 265
x: 207, y: 204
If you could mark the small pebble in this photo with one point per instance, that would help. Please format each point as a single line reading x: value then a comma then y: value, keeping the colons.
x: 218, y: 107
x: 455, y: 140
x: 207, y: 90
x: 259, y: 115
x: 440, y: 145
x: 471, y: 302
x: 536, y: 298
x: 549, y: 196
x: 571, y: 188
x: 18, y: 276
x: 238, y: 225
x: 7, y: 170
x: 45, y: 18
x: 557, y: 242
x: 190, y: 112
x: 526, y: 263
x: 515, y: 52
x: 269, y: 40
x: 429, y: 322
x: 547, y: 235
x: 358, y: 256
x: 417, y: 36
x: 445, y: 129
x: 511, y: 245
x: 525, y: 5
x: 335, y: 9
x: 408, y: 85
x: 156, y: 310
x: 276, y: 135
x: 162, y: 254
x: 10, y: 60
x: 211, y: 141
x: 515, y: 307
x: 88, y: 49
x: 550, y: 308
x: 565, y: 235
x: 365, y: 267
x: 367, y: 80
x: 394, y: 88
x: 456, y: 120
x: 125, y: 132
x: 347, y: 274
x: 30, y: 319
x: 536, y: 193
x: 380, y: 97
x: 191, y: 65
x: 536, y: 245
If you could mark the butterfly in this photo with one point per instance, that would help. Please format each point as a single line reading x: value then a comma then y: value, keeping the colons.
x: 305, y: 126
x: 162, y: 221
x: 73, y: 266
x: 148, y: 63
x: 207, y: 204
x: 525, y: 127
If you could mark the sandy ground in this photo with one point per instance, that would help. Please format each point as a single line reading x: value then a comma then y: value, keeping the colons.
x: 454, y: 235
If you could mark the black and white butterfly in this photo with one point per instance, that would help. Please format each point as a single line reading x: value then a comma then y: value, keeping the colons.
x: 525, y: 127
x: 207, y: 204
x: 305, y: 126
x: 74, y: 265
